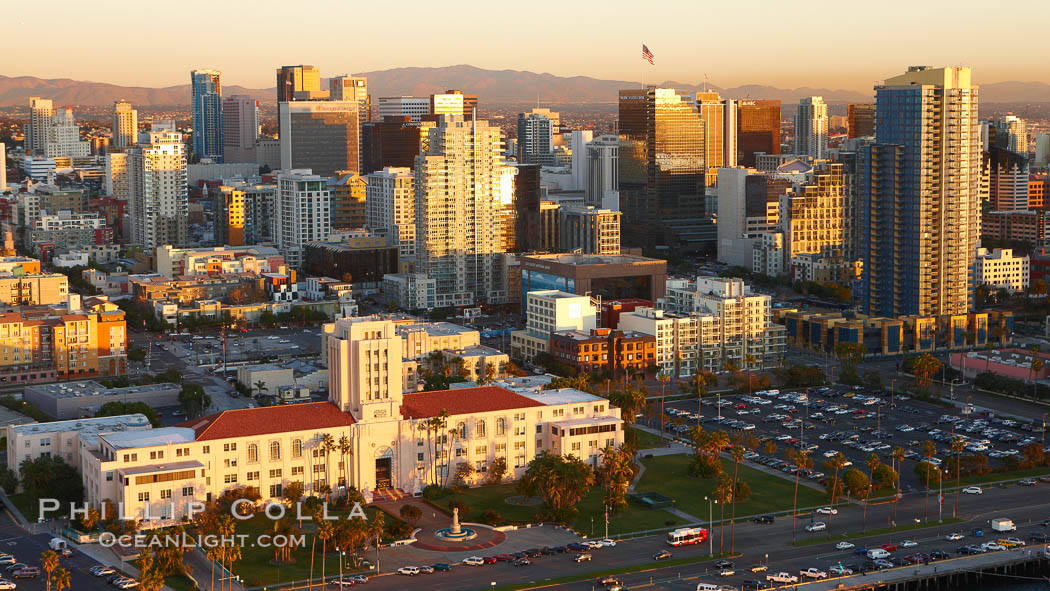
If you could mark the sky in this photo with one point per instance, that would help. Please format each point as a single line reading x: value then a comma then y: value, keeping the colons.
x: 838, y: 45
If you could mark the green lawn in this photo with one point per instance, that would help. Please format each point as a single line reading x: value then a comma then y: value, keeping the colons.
x: 647, y: 440
x: 630, y: 519
x: 180, y: 583
x: 27, y: 506
x: 669, y: 475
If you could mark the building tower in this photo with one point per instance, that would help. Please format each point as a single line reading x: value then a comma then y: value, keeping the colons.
x: 390, y: 207
x: 536, y: 131
x: 860, y: 120
x: 719, y: 117
x: 920, y: 207
x: 159, y: 199
x: 125, y: 125
x: 293, y: 79
x: 811, y: 128
x: 319, y: 135
x: 240, y: 128
x: 758, y: 129
x: 661, y: 164
x: 352, y: 88
x: 40, y: 113
x: 206, y: 88
x: 364, y: 368
x: 459, y: 241
x: 303, y: 213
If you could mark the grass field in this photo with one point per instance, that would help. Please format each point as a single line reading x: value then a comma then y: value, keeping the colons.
x: 27, y: 506
x: 647, y: 440
x: 669, y: 475
x: 630, y: 519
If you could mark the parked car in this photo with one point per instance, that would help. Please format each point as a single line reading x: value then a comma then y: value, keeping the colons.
x: 953, y: 537
x: 5, y: 584
x: 844, y: 546
x: 426, y: 570
x: 816, y: 526
x: 443, y: 567
x: 908, y: 544
x: 724, y: 564
x: 838, y: 570
x: 522, y: 562
x: 758, y: 568
x: 408, y: 570
x: 28, y: 572
x: 473, y: 561
x: 764, y: 519
x: 828, y: 511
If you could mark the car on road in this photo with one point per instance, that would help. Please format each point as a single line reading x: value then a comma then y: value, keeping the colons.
x: 881, y: 563
x: 607, y: 543
x: 844, y: 546
x: 724, y: 564
x: 968, y: 550
x: 953, y: 537
x: 813, y: 573
x: 838, y: 570
x: 443, y: 567
x: 992, y: 547
x: 1026, y: 482
x: 973, y: 490
x: 585, y: 557
x: 473, y: 561
x: 939, y: 555
x: 426, y: 570
x: 782, y: 577
x: 489, y: 559
x: 817, y: 526
x: 8, y: 559
x: 524, y: 561
x: 101, y: 571
x: 726, y: 572
x: 828, y: 511
x: 610, y: 583
x: 410, y: 571
x: 758, y: 568
x: 341, y: 583
x: 763, y: 519
x: 908, y: 544
x: 661, y: 555
x: 889, y: 547
x: 577, y: 547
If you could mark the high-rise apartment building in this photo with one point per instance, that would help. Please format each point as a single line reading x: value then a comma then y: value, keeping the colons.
x: 36, y: 130
x: 860, y: 120
x: 319, y: 135
x: 240, y: 128
x: 459, y: 241
x: 536, y: 130
x: 244, y: 214
x: 454, y: 102
x: 303, y: 212
x: 1011, y: 134
x: 920, y: 182
x: 720, y: 131
x: 758, y: 129
x: 1008, y: 174
x: 390, y: 207
x: 125, y: 125
x: 1042, y: 149
x: 590, y: 231
x: 206, y: 89
x: 293, y: 79
x: 63, y: 137
x: 661, y: 164
x: 348, y: 200
x: 814, y: 216
x: 159, y: 199
x: 811, y: 128
x: 115, y: 181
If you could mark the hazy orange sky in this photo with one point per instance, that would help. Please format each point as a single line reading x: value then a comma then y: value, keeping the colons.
x: 842, y: 44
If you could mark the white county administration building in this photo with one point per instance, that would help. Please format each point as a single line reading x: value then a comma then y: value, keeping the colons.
x: 390, y: 447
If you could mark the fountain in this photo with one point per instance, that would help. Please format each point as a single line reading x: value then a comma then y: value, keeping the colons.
x: 455, y: 533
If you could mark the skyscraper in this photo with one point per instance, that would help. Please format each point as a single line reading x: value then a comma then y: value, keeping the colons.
x: 920, y: 206
x: 40, y: 113
x: 240, y: 128
x: 159, y: 200
x: 1011, y: 133
x: 860, y: 120
x: 351, y: 88
x: 811, y: 128
x: 303, y: 213
x: 125, y: 125
x: 390, y: 206
x: 319, y: 135
x: 603, y: 173
x: 758, y: 129
x: 454, y: 102
x: 536, y: 130
x: 347, y: 191
x: 413, y: 107
x: 661, y: 164
x: 63, y: 137
x: 459, y: 241
x: 292, y: 79
x: 206, y: 88
x: 395, y: 141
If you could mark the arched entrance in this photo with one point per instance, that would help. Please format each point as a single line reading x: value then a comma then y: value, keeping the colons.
x: 384, y: 458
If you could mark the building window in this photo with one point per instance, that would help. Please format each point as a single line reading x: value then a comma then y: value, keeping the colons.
x: 297, y: 470
x: 461, y: 429
x: 165, y: 494
x: 228, y: 447
x: 275, y: 450
x: 144, y: 497
x: 479, y: 429
x: 501, y: 427
x: 187, y: 491
x: 253, y: 453
x: 276, y: 491
x: 297, y: 448
x: 277, y: 473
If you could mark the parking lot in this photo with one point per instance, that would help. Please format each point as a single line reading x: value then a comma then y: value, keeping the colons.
x: 855, y: 423
x: 27, y: 549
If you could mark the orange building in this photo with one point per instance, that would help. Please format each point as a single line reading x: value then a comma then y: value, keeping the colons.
x: 1036, y: 190
x: 604, y: 349
x: 38, y: 345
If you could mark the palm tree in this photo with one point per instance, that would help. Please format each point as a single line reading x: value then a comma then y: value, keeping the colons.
x: 802, y: 462
x: 898, y: 458
x: 327, y: 447
x: 836, y: 463
x: 213, y: 553
x: 957, y: 447
x: 226, y: 529
x: 1036, y: 367
x: 929, y: 449
x: 716, y: 442
x: 61, y: 580
x: 376, y: 525
x: 48, y: 562
x: 664, y: 378
x: 260, y: 387
x: 873, y: 462
x: 738, y: 456
x: 325, y: 531
x: 345, y: 449
x: 723, y: 493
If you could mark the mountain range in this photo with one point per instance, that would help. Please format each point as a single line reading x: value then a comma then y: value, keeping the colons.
x: 491, y: 86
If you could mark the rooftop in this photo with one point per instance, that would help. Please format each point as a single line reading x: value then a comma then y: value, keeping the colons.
x: 93, y: 388
x: 434, y: 329
x: 95, y: 425
x: 248, y: 422
x: 150, y: 469
x: 593, y: 259
x: 420, y: 405
x: 561, y: 396
x: 149, y: 437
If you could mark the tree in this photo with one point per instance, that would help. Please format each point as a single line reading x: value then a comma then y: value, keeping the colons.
x: 51, y: 477
x: 497, y: 470
x: 560, y: 481
x: 464, y: 472
x: 958, y: 445
x: 345, y: 449
x: 260, y: 387
x: 1035, y: 368
x: 630, y: 401
x: 872, y: 462
x: 614, y: 474
x: 928, y: 450
x: 293, y: 491
x: 193, y: 399
x: 723, y: 493
x: 411, y: 514
x: 48, y: 563
x: 738, y: 456
x: 924, y: 368
x: 850, y: 356
x: 325, y: 532
x: 8, y: 480
x: 327, y: 447
x: 117, y: 408
x: 61, y: 579
x: 488, y: 374
x: 834, y: 464
x: 898, y: 457
x: 802, y: 462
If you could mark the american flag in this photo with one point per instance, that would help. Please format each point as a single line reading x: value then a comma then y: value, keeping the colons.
x: 647, y: 55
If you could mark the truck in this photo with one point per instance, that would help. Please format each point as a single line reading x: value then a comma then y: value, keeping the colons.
x: 782, y: 577
x: 1003, y: 524
x: 813, y: 573
x: 59, y: 545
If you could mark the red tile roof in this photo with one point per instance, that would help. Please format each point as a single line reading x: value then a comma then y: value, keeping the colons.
x: 463, y: 401
x: 247, y: 422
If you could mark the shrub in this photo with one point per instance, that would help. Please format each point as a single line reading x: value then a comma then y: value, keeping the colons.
x: 491, y: 517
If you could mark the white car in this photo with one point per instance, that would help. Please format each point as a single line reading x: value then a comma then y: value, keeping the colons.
x: 408, y: 570
x: 607, y: 543
x: 5, y: 584
x: 473, y: 561
x: 908, y: 544
x: 973, y: 490
x: 992, y: 547
x: 844, y: 546
x: 953, y: 537
x: 828, y: 511
x: 817, y: 526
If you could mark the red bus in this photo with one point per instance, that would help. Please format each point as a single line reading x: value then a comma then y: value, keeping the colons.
x: 687, y: 535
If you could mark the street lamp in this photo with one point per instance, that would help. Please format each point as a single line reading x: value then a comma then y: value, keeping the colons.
x: 710, y: 527
x: 1042, y: 434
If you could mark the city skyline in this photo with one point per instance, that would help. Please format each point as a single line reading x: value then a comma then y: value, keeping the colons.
x: 840, y: 57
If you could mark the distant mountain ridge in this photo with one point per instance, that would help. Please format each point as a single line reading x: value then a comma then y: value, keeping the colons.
x: 491, y: 86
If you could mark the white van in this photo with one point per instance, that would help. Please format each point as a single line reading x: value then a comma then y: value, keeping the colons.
x: 707, y: 587
x: 876, y: 553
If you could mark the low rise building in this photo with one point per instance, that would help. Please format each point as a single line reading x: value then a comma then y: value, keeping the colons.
x: 547, y: 311
x: 411, y: 291
x: 611, y: 277
x: 604, y: 350
x: 176, y: 262
x: 1000, y: 268
x: 1011, y: 363
x: 64, y: 439
x: 44, y: 344
x: 36, y: 289
x: 79, y: 399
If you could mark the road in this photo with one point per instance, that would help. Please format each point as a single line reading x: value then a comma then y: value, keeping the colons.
x: 27, y: 548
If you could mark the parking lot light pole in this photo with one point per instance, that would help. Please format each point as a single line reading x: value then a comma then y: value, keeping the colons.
x: 710, y: 527
x: 1043, y: 433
